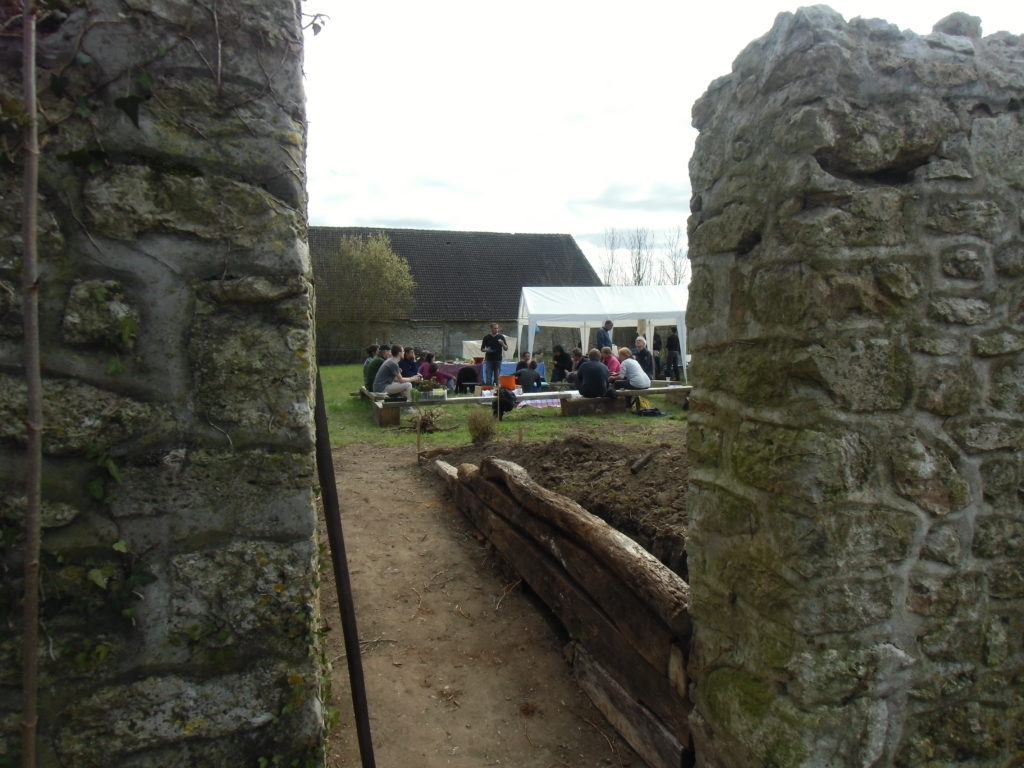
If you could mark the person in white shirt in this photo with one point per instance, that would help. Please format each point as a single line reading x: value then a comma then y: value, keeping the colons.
x: 630, y: 375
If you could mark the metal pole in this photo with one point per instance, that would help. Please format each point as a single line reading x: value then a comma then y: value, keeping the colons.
x: 332, y: 514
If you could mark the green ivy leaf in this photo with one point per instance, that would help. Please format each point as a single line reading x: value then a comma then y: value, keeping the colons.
x: 145, y: 81
x: 113, y: 470
x: 82, y: 108
x: 98, y: 577
x: 97, y: 489
x: 120, y: 546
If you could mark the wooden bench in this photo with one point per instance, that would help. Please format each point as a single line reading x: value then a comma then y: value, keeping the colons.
x: 388, y: 413
x: 581, y: 406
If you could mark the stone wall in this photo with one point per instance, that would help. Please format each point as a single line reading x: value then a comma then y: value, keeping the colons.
x: 856, y: 431
x: 179, y: 554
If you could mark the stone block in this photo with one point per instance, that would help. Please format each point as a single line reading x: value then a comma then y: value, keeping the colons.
x: 258, y: 599
x: 98, y: 312
x: 998, y: 149
x: 758, y: 372
x: 979, y: 434
x: 234, y: 358
x: 846, y: 603
x: 946, y: 389
x: 1006, y: 391
x: 897, y: 281
x: 1009, y: 259
x: 939, y: 591
x: 845, y: 538
x: 871, y: 374
x: 80, y: 418
x: 964, y: 263
x: 926, y: 476
x: 943, y: 545
x: 964, y: 216
x: 128, y: 201
x: 807, y: 464
x: 1003, y: 480
x: 1006, y: 580
x: 998, y: 343
x: 956, y: 310
x: 834, y: 675
x: 111, y: 724
x: 945, y: 734
x: 857, y: 217
x: 704, y: 444
x: 184, y: 495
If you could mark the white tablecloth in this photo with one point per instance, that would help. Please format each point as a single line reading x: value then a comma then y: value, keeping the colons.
x: 471, y: 349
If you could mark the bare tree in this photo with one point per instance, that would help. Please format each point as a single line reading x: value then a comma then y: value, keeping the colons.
x: 641, y: 257
x: 675, y: 266
x: 610, y: 272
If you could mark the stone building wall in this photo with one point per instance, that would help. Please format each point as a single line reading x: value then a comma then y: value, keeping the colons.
x: 179, y: 554
x: 856, y: 432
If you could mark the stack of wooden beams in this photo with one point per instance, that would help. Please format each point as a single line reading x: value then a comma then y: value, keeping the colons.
x: 625, y: 612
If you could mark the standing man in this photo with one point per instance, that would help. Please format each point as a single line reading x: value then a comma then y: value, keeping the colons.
x: 604, y: 336
x: 675, y: 358
x: 657, y: 355
x: 493, y: 345
x: 389, y: 378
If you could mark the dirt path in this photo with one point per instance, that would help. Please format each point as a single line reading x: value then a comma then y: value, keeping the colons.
x: 463, y: 668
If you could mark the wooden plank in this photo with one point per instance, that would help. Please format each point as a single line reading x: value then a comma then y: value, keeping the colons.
x: 632, y: 617
x: 583, y: 406
x: 582, y: 619
x: 663, y: 591
x: 387, y: 414
x: 642, y: 729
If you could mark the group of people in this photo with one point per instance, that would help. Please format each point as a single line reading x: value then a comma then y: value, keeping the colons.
x: 394, y: 370
x: 601, y: 372
x: 651, y: 362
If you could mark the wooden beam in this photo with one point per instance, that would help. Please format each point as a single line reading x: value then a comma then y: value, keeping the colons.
x: 633, y: 618
x: 657, y: 745
x: 663, y: 591
x: 582, y: 618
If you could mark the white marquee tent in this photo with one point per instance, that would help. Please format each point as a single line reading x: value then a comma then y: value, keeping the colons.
x: 587, y: 307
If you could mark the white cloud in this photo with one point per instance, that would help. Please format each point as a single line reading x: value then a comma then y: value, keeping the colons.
x: 567, y: 116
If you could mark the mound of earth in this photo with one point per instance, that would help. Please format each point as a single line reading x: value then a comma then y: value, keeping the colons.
x: 648, y: 504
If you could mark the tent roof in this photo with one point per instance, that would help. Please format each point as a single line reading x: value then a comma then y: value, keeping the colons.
x: 572, y: 307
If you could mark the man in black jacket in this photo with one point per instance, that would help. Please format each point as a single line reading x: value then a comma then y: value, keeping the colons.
x: 592, y: 376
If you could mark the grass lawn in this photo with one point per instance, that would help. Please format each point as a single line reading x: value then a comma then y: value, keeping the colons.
x: 350, y: 419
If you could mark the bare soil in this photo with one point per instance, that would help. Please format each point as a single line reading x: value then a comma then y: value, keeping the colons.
x: 463, y: 664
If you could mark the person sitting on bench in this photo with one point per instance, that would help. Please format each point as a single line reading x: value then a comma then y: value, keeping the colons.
x: 630, y: 375
x: 528, y: 378
x: 389, y: 378
x: 592, y: 376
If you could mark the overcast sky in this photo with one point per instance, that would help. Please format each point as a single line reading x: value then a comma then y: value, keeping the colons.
x: 548, y: 116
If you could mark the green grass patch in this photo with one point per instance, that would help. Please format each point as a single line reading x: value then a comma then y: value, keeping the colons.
x: 350, y: 420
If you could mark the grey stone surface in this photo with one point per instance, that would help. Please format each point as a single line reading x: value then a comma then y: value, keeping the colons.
x: 179, y: 555
x: 855, y: 429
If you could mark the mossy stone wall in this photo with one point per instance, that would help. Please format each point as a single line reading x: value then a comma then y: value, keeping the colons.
x: 180, y: 563
x: 856, y: 434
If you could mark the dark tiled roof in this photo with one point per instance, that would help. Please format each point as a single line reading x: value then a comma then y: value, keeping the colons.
x: 468, y: 275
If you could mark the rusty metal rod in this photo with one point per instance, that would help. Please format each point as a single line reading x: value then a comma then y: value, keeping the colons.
x: 332, y: 514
